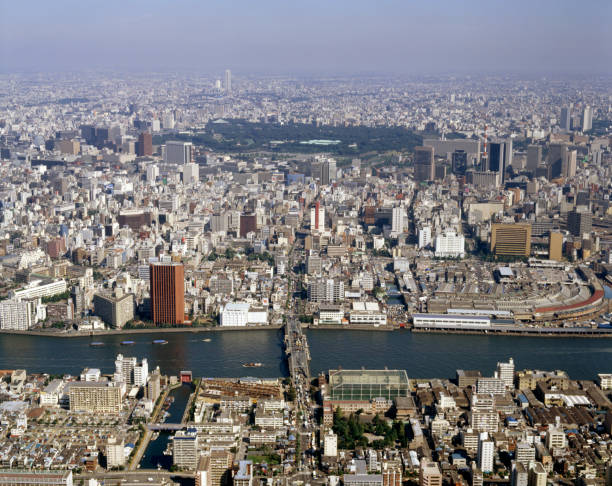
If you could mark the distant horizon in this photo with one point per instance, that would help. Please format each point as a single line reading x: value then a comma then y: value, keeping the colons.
x: 319, y: 74
x: 273, y: 36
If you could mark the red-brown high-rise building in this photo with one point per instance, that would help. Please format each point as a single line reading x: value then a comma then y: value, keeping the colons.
x: 144, y: 146
x: 248, y: 224
x: 167, y: 293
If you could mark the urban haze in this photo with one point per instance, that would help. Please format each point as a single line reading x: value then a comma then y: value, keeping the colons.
x: 306, y: 243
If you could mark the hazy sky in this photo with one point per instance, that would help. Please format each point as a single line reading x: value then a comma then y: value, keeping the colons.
x: 302, y: 36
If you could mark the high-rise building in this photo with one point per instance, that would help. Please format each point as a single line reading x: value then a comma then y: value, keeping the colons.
x: 424, y: 165
x: 525, y: 453
x: 115, y: 309
x: 566, y: 118
x: 569, y: 168
x: 144, y: 145
x: 397, y: 220
x: 228, y: 81
x: 534, y: 157
x: 219, y: 465
x: 505, y: 372
x: 154, y: 385
x: 587, y: 118
x: 497, y: 159
x: 486, y: 453
x: 325, y: 290
x: 555, y: 246
x: 511, y: 239
x: 579, y: 222
x: 191, y: 173
x: 152, y: 173
x: 424, y: 236
x: 429, y: 474
x: 537, y: 475
x: 167, y: 293
x: 459, y: 162
x: 520, y: 475
x: 178, y: 152
x: 317, y: 217
x: 115, y: 453
x: 95, y: 397
x: 330, y: 444
x: 185, y: 449
x: 483, y: 416
x: 248, y: 224
x: 557, y: 159
x: 328, y: 171
x: 508, y: 152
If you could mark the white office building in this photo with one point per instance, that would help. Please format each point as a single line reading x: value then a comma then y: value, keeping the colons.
x: 330, y: 444
x: 240, y: 314
x: 191, y: 173
x: 115, y: 453
x: 398, y: 218
x: 317, y: 218
x: 141, y: 373
x: 505, y: 372
x: 152, y: 173
x: 39, y: 288
x: 424, y: 236
x: 450, y: 245
x: 486, y: 453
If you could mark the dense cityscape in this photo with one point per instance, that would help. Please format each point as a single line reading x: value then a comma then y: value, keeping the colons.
x: 211, y: 276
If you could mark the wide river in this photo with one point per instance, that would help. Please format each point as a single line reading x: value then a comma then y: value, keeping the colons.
x: 421, y: 355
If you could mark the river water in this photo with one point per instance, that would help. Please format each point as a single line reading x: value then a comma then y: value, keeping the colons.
x: 421, y: 355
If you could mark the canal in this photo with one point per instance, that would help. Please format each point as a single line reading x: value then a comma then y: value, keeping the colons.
x: 154, y: 456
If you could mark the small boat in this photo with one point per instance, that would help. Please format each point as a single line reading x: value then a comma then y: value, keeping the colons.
x: 252, y: 365
x: 160, y: 341
x: 207, y: 340
x: 96, y: 344
x: 127, y: 343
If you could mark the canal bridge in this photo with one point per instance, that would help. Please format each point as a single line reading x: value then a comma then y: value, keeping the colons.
x: 164, y: 426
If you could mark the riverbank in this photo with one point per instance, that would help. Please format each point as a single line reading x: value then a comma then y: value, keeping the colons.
x: 156, y: 330
x: 551, y: 332
x: 507, y: 331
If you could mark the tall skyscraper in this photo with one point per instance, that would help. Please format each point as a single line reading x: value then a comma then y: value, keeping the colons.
x: 566, y: 118
x: 167, y: 293
x: 587, y: 118
x: 497, y: 159
x: 317, y: 217
x: 228, y: 81
x: 460, y: 162
x: 534, y: 157
x: 424, y: 165
x: 144, y: 145
x: 557, y: 158
x: 328, y: 171
x: 178, y: 152
x: 397, y: 220
x: 579, y: 222
x: 555, y: 246
x: 507, y: 154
